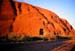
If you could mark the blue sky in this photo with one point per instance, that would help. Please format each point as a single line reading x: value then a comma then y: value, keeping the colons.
x: 63, y: 8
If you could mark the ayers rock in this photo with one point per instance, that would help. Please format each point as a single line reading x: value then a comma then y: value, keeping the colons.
x: 24, y: 18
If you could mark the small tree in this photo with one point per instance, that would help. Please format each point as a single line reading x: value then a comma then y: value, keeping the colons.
x: 15, y: 37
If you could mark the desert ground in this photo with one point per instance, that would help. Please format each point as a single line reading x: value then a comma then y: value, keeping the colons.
x: 65, y: 45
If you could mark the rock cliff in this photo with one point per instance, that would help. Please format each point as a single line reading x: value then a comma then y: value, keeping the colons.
x: 24, y: 18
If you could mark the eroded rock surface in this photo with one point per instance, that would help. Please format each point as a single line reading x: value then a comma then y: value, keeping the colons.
x: 24, y: 18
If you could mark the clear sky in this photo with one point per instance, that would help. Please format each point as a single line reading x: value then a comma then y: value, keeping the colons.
x: 63, y: 8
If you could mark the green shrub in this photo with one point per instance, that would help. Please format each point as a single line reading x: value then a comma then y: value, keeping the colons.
x: 13, y: 37
x: 27, y: 38
x: 52, y: 38
x: 34, y: 38
x: 65, y: 38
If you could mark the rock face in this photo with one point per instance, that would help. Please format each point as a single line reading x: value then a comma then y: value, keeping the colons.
x: 23, y: 18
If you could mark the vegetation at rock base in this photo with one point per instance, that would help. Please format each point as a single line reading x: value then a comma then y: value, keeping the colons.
x: 14, y: 37
x: 63, y: 38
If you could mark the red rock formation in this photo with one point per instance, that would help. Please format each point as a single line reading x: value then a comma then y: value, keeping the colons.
x: 23, y: 18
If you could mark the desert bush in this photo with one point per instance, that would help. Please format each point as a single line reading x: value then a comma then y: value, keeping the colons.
x: 64, y: 38
x: 52, y: 38
x: 15, y: 37
x: 3, y: 39
x: 27, y: 38
x: 36, y: 38
x: 45, y: 39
